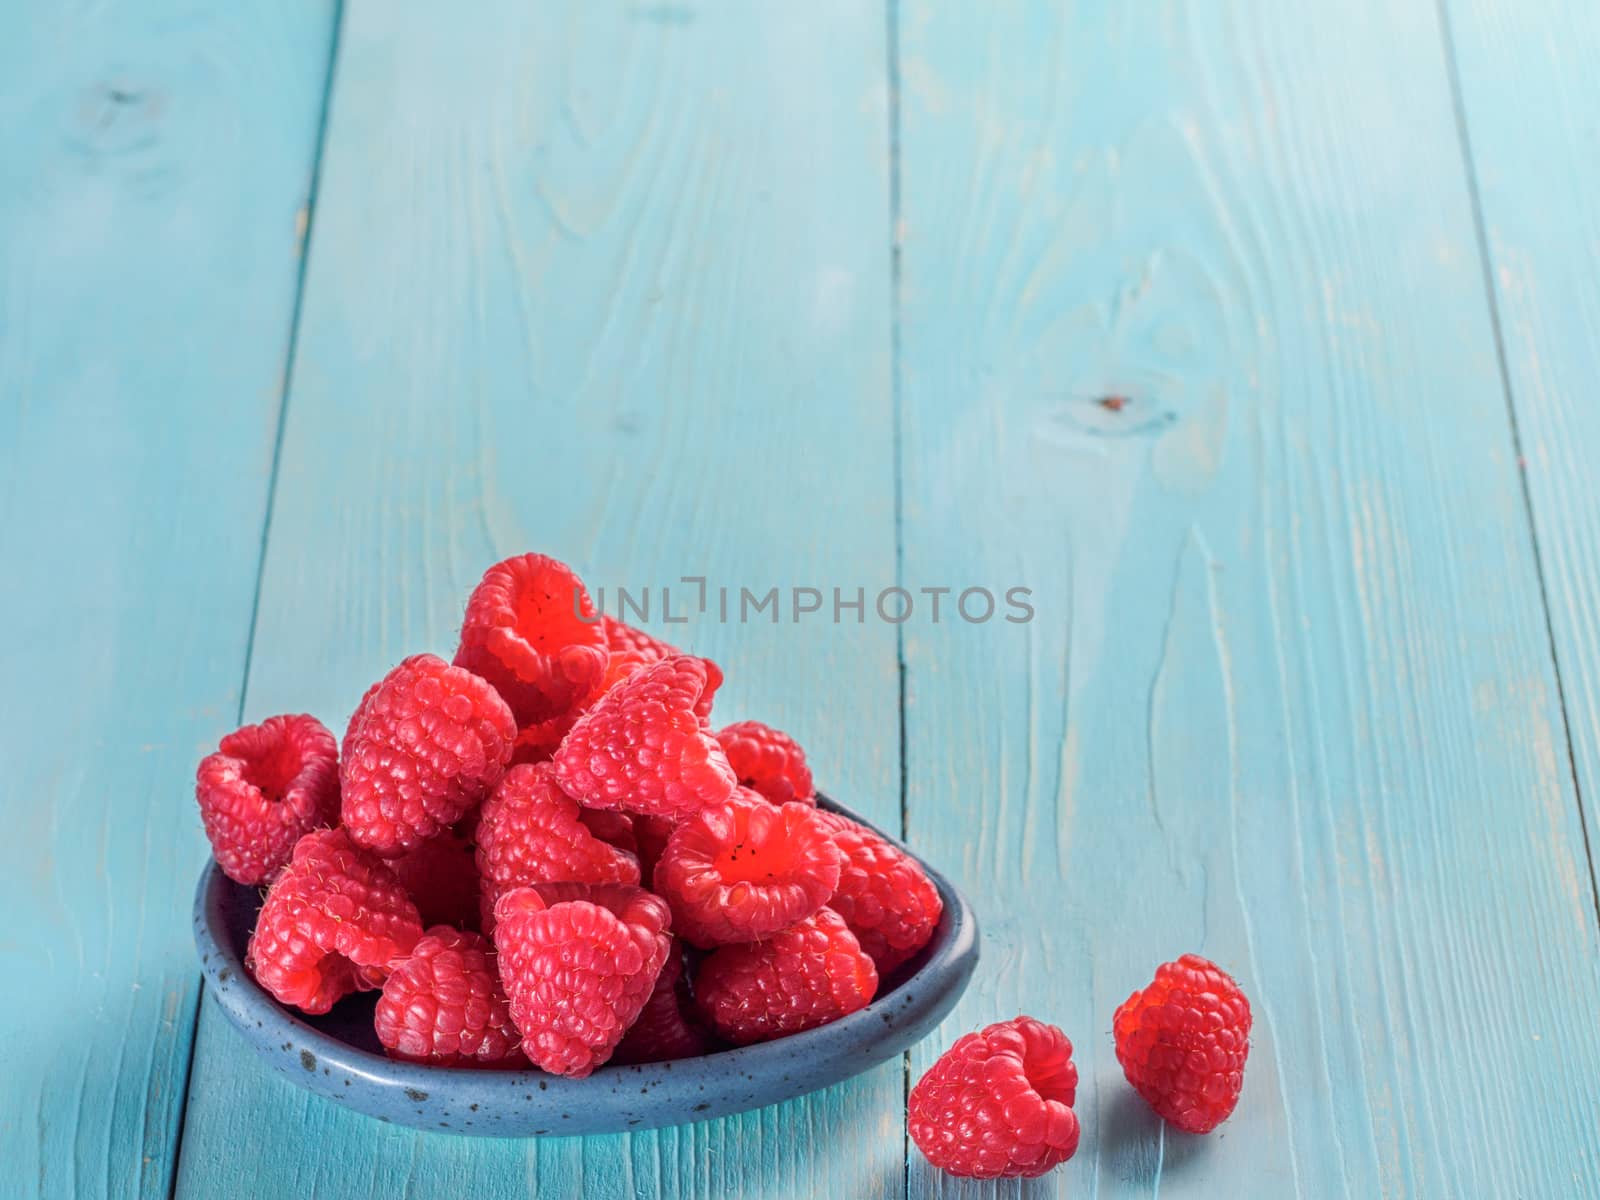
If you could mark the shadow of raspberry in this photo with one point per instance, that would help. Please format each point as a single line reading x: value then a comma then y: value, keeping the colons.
x: 1136, y: 1145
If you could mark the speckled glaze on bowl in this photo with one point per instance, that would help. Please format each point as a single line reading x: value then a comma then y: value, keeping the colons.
x: 337, y: 1055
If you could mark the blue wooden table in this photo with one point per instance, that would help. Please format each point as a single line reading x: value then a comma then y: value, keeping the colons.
x: 1259, y: 340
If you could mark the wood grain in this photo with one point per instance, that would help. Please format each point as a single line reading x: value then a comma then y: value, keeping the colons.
x: 153, y: 160
x: 1288, y: 700
x: 1531, y: 103
x: 610, y: 282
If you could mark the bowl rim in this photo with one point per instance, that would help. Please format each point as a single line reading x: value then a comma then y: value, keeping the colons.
x: 950, y: 962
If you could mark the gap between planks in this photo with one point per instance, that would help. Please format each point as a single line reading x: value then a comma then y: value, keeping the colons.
x: 1486, y: 264
x: 891, y: 14
x: 308, y: 226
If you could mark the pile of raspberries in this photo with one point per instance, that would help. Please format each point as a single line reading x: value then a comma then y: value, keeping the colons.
x: 542, y: 853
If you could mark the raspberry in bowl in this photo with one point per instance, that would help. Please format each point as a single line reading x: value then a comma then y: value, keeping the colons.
x: 338, y: 1054
x: 534, y: 891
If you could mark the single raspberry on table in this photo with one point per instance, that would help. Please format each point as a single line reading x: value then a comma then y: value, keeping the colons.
x: 644, y: 748
x: 425, y: 745
x: 265, y: 787
x: 883, y: 895
x: 441, y: 877
x: 1182, y: 1043
x: 807, y: 975
x: 668, y: 1028
x: 334, y: 922
x: 444, y: 1005
x: 768, y: 761
x: 531, y: 631
x: 578, y: 962
x: 738, y: 871
x: 530, y: 831
x: 998, y: 1103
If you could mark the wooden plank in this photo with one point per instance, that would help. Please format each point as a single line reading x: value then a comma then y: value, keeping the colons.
x: 610, y: 282
x: 153, y: 163
x: 1531, y: 101
x: 1288, y: 699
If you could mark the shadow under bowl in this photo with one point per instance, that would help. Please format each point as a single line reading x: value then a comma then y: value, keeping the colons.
x: 337, y: 1055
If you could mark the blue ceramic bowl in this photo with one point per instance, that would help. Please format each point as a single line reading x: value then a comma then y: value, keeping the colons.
x: 337, y: 1055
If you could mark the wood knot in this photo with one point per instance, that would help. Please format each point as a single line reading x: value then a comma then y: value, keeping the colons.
x: 117, y: 118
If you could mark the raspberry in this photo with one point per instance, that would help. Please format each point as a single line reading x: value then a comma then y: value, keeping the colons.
x: 530, y: 831
x: 622, y: 664
x: 769, y: 761
x: 998, y: 1103
x: 425, y: 745
x: 536, y: 743
x: 334, y: 921
x: 614, y: 896
x: 444, y: 1005
x: 643, y: 747
x: 884, y: 896
x: 627, y: 639
x: 634, y: 648
x: 668, y: 1027
x: 265, y: 786
x: 441, y: 877
x: 808, y: 975
x: 630, y: 649
x: 531, y: 631
x: 651, y: 833
x: 1182, y: 1043
x: 354, y: 724
x: 739, y: 871
x: 611, y: 826
x: 702, y: 706
x: 578, y: 963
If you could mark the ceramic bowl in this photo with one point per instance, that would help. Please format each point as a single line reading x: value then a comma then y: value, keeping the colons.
x: 337, y: 1056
